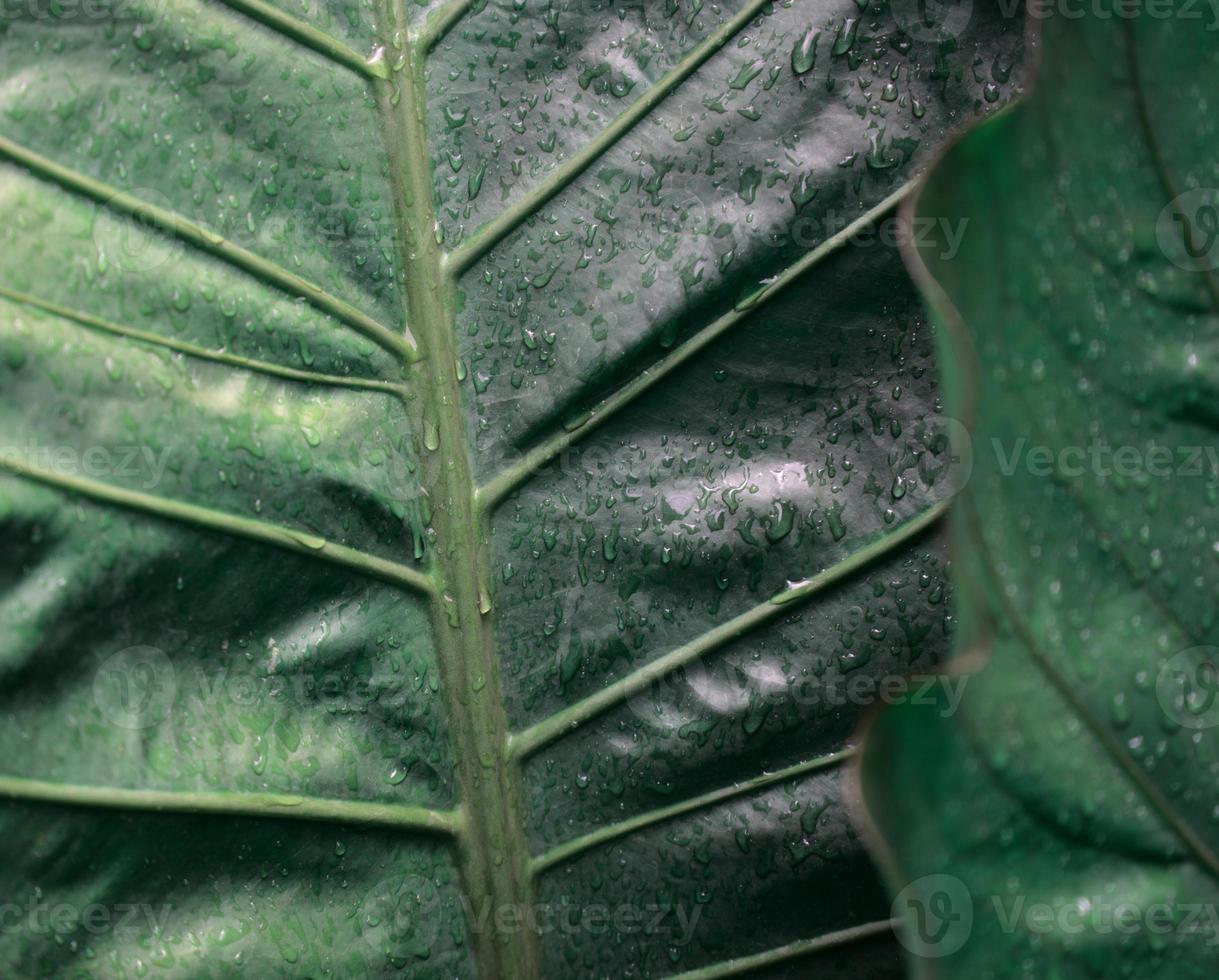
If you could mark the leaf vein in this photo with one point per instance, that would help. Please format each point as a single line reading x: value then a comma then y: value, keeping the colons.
x: 530, y: 739
x: 792, y: 951
x: 443, y: 21
x: 493, y: 859
x: 90, y: 322
x: 489, y: 235
x: 299, y: 542
x: 498, y: 487
x: 1161, y: 803
x: 177, y: 226
x: 603, y: 835
x: 308, y: 36
x: 1156, y: 146
x: 234, y: 804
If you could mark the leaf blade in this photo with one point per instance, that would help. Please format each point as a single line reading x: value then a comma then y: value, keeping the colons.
x: 1076, y: 736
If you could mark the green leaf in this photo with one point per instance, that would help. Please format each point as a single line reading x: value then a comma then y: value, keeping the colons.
x: 1061, y: 823
x: 455, y: 458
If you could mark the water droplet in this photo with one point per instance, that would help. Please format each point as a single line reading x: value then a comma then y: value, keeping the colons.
x: 804, y: 54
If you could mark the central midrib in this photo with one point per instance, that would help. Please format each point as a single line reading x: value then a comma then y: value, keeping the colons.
x: 493, y: 851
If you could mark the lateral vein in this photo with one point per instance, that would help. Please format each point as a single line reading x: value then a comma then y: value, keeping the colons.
x: 1156, y: 147
x: 88, y: 321
x: 1190, y: 837
x: 491, y: 234
x: 603, y: 835
x: 299, y: 542
x: 498, y: 487
x: 308, y: 36
x: 235, y: 804
x: 441, y: 22
x: 530, y: 739
x: 792, y: 951
x: 209, y: 242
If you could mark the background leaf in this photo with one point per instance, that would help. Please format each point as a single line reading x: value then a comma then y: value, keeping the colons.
x: 414, y: 416
x: 1062, y: 822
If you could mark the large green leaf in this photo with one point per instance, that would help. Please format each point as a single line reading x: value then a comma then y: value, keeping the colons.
x: 1062, y: 823
x: 436, y: 475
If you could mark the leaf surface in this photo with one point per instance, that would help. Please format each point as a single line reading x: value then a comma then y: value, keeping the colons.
x: 411, y: 416
x: 1078, y: 321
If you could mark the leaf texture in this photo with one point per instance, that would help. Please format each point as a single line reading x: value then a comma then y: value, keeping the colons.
x: 441, y: 444
x: 1087, y: 531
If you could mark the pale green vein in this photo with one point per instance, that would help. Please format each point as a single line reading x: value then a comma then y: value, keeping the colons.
x: 202, y: 353
x: 603, y: 835
x: 493, y: 859
x: 1191, y: 838
x: 782, y: 604
x: 288, y: 539
x: 489, y: 235
x: 309, y: 36
x: 441, y: 22
x: 792, y: 951
x: 274, y: 806
x: 208, y: 241
x: 532, y: 463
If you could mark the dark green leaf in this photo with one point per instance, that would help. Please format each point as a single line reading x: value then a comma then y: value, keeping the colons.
x: 1062, y: 823
x: 406, y: 448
